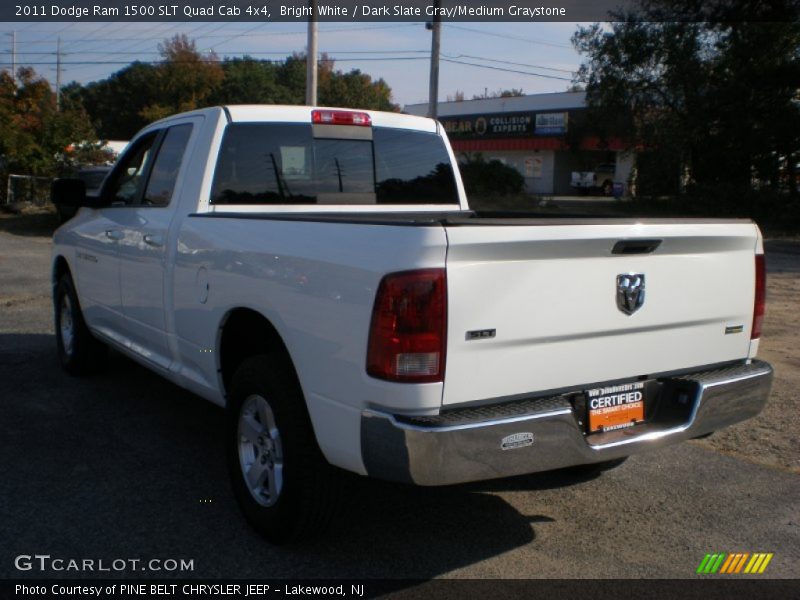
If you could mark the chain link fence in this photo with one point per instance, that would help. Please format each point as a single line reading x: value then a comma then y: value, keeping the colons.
x: 28, y: 188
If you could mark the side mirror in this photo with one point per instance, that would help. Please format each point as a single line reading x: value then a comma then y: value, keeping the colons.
x: 72, y: 193
x: 68, y: 192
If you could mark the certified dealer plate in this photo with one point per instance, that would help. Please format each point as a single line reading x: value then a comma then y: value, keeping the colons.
x: 616, y: 406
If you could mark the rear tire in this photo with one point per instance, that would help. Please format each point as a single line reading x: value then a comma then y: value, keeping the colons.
x: 79, y: 352
x: 281, y: 480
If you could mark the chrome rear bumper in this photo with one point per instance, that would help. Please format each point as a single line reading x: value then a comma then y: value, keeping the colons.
x: 467, y: 444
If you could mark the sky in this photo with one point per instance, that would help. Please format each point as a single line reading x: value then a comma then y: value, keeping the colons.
x: 536, y: 57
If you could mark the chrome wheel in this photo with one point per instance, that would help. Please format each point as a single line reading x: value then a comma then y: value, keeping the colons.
x: 260, y: 451
x: 66, y: 325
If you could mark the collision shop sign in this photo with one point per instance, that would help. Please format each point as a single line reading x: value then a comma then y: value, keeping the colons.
x: 505, y: 125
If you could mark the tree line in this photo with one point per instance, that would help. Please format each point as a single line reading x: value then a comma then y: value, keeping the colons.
x: 44, y: 137
x: 187, y: 79
x: 37, y: 137
x: 708, y: 94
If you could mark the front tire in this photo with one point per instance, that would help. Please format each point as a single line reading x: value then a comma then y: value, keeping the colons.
x: 281, y: 480
x: 79, y: 352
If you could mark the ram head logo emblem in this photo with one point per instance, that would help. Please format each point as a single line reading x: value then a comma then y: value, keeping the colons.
x: 630, y: 292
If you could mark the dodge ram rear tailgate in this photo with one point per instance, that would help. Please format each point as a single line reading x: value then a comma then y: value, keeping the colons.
x: 541, y: 307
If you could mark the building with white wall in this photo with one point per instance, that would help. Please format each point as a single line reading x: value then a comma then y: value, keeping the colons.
x: 544, y: 136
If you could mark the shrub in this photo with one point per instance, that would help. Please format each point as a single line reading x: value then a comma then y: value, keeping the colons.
x: 489, y: 178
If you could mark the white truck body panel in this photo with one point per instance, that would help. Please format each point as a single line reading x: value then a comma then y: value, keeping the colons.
x: 550, y: 291
x: 316, y: 287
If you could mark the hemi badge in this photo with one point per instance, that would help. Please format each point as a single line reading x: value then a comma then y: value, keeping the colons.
x: 517, y: 440
x: 734, y: 329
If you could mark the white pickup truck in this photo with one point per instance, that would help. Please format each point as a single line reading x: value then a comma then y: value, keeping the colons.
x: 600, y: 180
x: 319, y: 274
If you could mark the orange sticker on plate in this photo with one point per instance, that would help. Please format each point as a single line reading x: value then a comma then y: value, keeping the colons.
x: 616, y: 407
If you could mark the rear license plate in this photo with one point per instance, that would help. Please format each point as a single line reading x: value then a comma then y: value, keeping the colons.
x: 616, y: 406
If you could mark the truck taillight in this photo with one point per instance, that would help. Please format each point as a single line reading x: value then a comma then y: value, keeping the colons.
x: 407, y: 336
x: 760, y: 299
x: 340, y: 117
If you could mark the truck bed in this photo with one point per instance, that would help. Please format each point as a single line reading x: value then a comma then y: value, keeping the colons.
x: 544, y: 291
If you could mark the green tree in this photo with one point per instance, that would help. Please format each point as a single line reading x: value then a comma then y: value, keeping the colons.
x: 355, y: 89
x: 292, y: 76
x: 489, y: 178
x: 116, y: 104
x: 186, y: 78
x: 250, y: 81
x: 36, y: 138
x: 457, y: 96
x: 352, y: 89
x: 501, y: 93
x: 713, y: 94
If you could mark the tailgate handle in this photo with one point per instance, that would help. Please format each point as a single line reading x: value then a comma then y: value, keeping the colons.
x: 635, y: 246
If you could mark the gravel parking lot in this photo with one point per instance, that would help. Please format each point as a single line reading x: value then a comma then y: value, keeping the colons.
x: 126, y: 465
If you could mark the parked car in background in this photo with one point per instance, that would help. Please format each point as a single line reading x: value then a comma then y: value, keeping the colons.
x: 600, y: 180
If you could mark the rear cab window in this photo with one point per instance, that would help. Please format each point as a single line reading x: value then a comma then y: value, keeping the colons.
x: 305, y: 164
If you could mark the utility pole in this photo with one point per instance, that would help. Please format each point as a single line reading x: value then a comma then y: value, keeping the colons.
x: 311, y: 56
x: 433, y: 94
x: 14, y: 56
x: 58, y: 74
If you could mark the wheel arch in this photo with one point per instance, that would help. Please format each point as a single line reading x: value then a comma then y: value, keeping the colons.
x: 245, y: 332
x: 60, y: 268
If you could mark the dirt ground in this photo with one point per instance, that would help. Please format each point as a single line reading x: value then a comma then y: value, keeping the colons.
x: 126, y: 464
x: 772, y: 437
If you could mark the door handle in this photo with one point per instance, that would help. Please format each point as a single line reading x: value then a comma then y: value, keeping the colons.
x: 114, y: 234
x: 153, y: 240
x: 635, y: 246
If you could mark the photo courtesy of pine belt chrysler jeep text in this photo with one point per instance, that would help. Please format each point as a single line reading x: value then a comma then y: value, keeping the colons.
x: 319, y: 274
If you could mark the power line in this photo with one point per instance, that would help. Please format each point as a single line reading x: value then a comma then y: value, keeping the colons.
x: 28, y: 26
x: 338, y: 60
x: 508, y: 62
x: 506, y: 36
x: 211, y: 61
x: 163, y: 31
x: 237, y: 35
x: 102, y: 27
x: 221, y: 35
x: 239, y: 52
x: 171, y: 29
x: 493, y: 68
